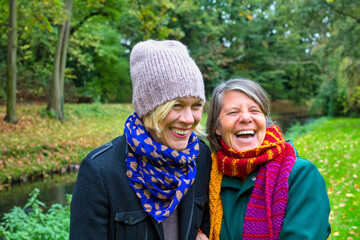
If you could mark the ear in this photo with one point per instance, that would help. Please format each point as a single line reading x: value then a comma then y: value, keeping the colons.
x: 218, y: 132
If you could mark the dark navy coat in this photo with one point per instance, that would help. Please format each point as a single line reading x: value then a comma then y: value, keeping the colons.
x: 104, y: 206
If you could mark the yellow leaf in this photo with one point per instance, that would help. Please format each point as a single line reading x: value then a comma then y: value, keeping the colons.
x: 248, y: 16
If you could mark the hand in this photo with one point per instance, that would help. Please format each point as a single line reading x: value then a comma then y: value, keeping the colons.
x: 201, y: 236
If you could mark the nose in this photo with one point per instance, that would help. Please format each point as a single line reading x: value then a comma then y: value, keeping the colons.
x: 187, y: 116
x: 245, y: 117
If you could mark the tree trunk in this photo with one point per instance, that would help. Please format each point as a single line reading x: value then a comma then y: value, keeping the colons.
x: 12, y: 47
x: 56, y: 100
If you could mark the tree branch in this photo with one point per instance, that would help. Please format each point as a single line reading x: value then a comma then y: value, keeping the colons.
x: 87, y: 17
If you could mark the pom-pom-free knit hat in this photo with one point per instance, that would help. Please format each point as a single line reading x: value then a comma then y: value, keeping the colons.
x: 162, y: 71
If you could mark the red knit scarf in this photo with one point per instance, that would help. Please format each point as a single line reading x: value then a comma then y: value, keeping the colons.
x: 266, y: 209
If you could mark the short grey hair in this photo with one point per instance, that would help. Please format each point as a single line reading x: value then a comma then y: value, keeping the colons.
x: 247, y: 86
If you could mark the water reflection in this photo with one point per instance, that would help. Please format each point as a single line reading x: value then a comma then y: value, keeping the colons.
x: 53, y: 189
x: 286, y: 122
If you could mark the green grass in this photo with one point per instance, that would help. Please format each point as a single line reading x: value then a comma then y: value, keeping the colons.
x: 333, y: 146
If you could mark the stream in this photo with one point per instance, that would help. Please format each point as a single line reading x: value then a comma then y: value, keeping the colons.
x: 53, y: 189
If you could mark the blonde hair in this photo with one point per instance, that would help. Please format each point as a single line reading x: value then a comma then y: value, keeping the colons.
x: 154, y: 119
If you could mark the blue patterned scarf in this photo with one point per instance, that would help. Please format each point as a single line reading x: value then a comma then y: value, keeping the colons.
x: 159, y: 175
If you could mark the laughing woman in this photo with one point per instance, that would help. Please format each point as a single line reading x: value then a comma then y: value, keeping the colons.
x: 152, y: 182
x: 260, y: 188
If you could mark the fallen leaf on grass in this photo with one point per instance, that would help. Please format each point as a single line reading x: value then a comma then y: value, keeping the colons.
x: 349, y: 195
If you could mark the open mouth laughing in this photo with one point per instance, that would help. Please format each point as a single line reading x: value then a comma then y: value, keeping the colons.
x: 245, y: 135
x: 182, y: 133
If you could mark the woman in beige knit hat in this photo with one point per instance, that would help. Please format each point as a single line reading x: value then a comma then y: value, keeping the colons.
x: 152, y: 182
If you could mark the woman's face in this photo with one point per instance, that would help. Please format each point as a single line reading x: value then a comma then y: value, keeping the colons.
x: 242, y: 124
x: 180, y: 122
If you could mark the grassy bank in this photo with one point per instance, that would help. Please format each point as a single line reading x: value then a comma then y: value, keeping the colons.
x: 333, y: 145
x: 38, y: 145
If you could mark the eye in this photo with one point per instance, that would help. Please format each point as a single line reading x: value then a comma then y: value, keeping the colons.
x: 177, y: 106
x: 255, y: 110
x: 232, y: 113
x: 197, y: 106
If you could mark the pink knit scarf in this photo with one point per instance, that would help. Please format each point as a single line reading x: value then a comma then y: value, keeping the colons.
x: 266, y: 209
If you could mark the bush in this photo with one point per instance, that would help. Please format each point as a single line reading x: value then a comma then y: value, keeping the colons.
x: 32, y: 222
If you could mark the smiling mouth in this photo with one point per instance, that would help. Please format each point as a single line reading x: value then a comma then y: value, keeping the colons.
x: 245, y: 134
x: 180, y: 132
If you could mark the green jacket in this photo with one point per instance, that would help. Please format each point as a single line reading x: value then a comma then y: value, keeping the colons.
x: 307, y: 211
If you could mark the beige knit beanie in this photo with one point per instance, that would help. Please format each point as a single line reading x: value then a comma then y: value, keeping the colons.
x: 162, y: 71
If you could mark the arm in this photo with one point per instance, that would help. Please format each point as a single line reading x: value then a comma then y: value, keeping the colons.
x: 308, y: 209
x: 205, y: 223
x: 89, y: 205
